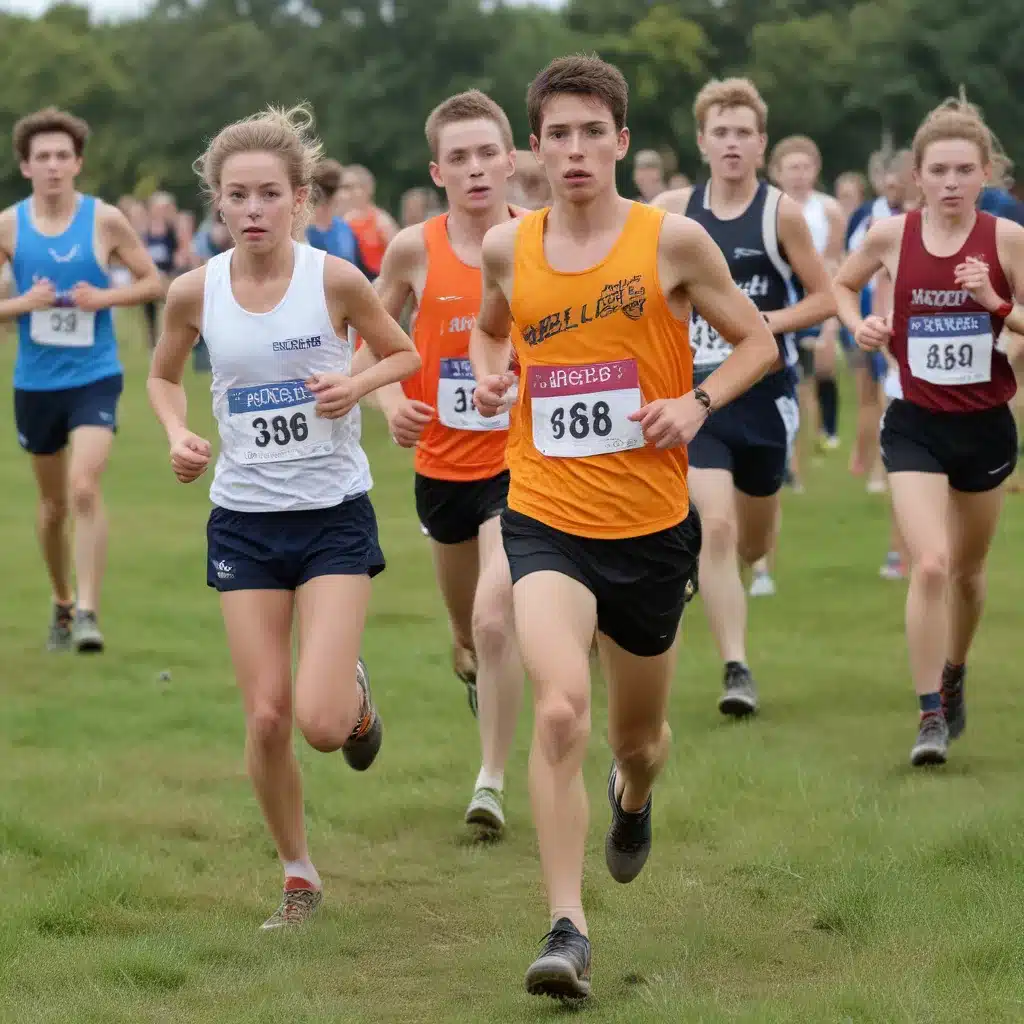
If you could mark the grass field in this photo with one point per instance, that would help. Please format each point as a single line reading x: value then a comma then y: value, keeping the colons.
x: 801, y: 870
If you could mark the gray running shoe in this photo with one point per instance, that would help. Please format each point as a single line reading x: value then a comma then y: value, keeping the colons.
x: 740, y: 697
x: 361, y: 748
x: 299, y: 904
x: 85, y: 633
x: 932, y: 740
x: 59, y: 638
x: 485, y: 810
x: 562, y: 971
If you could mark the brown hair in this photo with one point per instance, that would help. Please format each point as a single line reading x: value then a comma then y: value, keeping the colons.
x: 466, y: 106
x: 955, y: 119
x: 794, y: 144
x: 284, y: 133
x: 730, y: 92
x: 578, y: 75
x: 50, y: 119
x: 327, y: 178
x: 852, y: 178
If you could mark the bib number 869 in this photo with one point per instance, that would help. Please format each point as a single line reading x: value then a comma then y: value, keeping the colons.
x: 280, y: 430
x: 582, y: 420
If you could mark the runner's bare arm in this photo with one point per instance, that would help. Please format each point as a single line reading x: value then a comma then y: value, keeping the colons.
x: 41, y: 296
x: 490, y: 346
x: 975, y: 276
x: 674, y: 200
x: 352, y: 300
x: 695, y: 266
x: 129, y: 250
x: 818, y: 303
x: 182, y: 319
x: 398, y: 270
x: 861, y: 265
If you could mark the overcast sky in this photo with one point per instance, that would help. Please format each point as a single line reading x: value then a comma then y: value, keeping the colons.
x: 120, y: 8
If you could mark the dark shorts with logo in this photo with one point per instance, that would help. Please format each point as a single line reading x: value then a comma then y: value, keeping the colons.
x: 283, y: 550
x: 640, y: 583
x: 975, y: 451
x: 45, y: 419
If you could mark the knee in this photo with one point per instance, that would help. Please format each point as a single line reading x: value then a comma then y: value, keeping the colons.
x: 325, y: 729
x: 720, y: 536
x: 52, y: 512
x: 492, y: 632
x: 931, y: 570
x: 268, y: 724
x: 640, y: 750
x: 562, y: 723
x: 85, y: 495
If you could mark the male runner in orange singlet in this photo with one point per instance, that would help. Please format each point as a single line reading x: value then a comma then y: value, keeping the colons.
x: 599, y: 531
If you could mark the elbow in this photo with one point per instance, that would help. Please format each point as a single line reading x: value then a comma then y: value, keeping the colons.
x: 829, y: 305
x: 411, y: 363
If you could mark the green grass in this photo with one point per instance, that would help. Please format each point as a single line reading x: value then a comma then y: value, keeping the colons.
x: 801, y: 872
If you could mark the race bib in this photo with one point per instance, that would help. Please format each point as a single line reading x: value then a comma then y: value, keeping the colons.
x: 583, y: 410
x: 950, y: 348
x: 455, y: 409
x: 63, y: 327
x: 709, y: 348
x: 278, y: 423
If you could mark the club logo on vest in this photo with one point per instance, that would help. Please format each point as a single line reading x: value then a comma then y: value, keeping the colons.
x: 626, y: 296
x: 71, y: 254
x: 937, y: 299
x: 297, y: 344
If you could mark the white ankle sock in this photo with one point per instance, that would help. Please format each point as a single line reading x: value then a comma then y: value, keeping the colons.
x: 303, y: 869
x: 490, y: 780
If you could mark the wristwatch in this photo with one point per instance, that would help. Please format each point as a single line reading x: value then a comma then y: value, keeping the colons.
x: 703, y: 397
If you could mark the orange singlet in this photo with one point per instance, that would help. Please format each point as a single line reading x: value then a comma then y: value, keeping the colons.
x: 370, y: 240
x: 595, y: 346
x: 459, y: 444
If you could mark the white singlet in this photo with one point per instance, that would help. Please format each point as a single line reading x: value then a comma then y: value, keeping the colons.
x: 276, y: 454
x: 816, y: 216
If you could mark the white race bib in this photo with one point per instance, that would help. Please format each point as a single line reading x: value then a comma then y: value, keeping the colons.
x: 278, y: 423
x: 455, y: 409
x: 583, y: 410
x: 63, y: 326
x: 950, y: 348
x: 709, y: 348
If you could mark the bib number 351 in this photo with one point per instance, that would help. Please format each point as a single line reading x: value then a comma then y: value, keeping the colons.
x: 579, y: 411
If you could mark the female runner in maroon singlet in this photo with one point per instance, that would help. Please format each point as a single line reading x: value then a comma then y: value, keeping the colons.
x: 951, y: 442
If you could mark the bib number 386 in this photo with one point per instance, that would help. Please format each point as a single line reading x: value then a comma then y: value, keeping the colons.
x: 278, y: 423
x: 584, y: 410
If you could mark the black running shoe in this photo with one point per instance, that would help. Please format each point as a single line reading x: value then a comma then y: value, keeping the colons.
x: 361, y: 748
x: 628, y: 842
x: 954, y: 703
x: 562, y: 970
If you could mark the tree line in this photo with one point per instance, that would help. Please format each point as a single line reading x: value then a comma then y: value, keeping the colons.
x: 154, y: 88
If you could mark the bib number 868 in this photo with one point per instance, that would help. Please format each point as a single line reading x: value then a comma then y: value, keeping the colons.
x: 280, y: 430
x: 582, y: 420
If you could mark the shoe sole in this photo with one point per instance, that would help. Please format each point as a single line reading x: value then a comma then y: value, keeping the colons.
x: 927, y: 756
x: 89, y: 646
x: 557, y: 982
x: 361, y: 752
x: 481, y: 817
x: 737, y: 707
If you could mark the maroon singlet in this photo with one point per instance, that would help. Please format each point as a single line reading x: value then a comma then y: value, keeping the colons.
x: 942, y: 339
